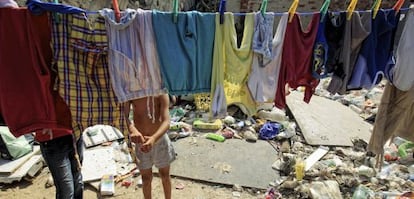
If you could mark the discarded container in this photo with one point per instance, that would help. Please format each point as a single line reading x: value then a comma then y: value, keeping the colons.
x: 398, y: 141
x: 269, y: 130
x: 216, y: 137
x: 366, y: 171
x: 215, y: 125
x: 107, y: 185
x: 391, y: 152
x: 362, y: 192
x: 402, y: 149
x: 275, y: 115
x: 299, y: 169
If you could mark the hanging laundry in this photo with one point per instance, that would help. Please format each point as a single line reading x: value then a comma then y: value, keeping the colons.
x: 320, y: 53
x: 297, y: 59
x: 334, y: 32
x: 185, y: 50
x: 355, y: 32
x: 328, y: 44
x: 267, y: 56
x: 8, y: 4
x: 375, y: 51
x: 231, y: 66
x: 38, y: 7
x: 394, y: 118
x: 27, y: 101
x: 80, y: 51
x: 402, y: 74
x: 133, y: 59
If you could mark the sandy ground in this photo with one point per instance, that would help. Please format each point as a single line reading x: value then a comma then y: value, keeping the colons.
x: 35, y: 189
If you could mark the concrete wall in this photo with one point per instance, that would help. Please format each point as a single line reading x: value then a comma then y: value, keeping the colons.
x: 232, y: 5
x: 165, y: 5
x: 304, y: 5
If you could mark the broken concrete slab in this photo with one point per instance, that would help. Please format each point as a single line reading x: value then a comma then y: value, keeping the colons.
x: 326, y: 122
x: 7, y: 167
x: 33, y: 165
x: 230, y: 162
x: 98, y: 162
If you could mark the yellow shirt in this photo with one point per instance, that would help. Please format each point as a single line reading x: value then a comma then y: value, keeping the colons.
x: 231, y: 66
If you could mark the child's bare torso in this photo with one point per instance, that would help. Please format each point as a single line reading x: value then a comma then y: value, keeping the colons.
x: 147, y: 117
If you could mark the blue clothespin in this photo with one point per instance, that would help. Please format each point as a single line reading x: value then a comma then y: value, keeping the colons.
x: 222, y: 9
x: 175, y: 11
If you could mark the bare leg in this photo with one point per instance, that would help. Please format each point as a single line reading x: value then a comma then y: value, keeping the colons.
x: 146, y: 182
x: 166, y: 181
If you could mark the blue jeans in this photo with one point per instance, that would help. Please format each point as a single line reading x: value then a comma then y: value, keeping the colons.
x: 59, y: 157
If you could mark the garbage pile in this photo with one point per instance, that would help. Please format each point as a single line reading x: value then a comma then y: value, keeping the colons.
x: 309, y: 171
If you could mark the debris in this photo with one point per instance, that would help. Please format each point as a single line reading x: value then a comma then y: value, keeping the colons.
x: 289, y: 184
x: 362, y: 192
x: 229, y: 120
x: 366, y: 171
x: 285, y: 146
x: 325, y: 189
x: 179, y: 186
x: 49, y: 181
x: 236, y: 194
x: 237, y: 187
x: 139, y: 182
x: 269, y: 130
x: 300, y: 169
x: 315, y: 156
x: 215, y: 137
x: 250, y: 135
x: 107, y: 185
x: 274, y: 115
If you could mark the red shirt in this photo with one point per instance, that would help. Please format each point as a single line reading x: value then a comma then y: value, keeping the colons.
x: 27, y: 101
x: 296, y: 63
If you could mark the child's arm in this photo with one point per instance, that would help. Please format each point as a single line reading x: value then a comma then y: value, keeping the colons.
x: 165, y: 123
x: 134, y: 134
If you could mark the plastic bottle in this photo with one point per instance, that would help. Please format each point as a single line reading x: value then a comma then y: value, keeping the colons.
x: 215, y: 137
x: 299, y: 169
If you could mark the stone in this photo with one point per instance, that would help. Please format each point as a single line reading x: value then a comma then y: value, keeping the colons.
x: 237, y: 187
x: 285, y: 147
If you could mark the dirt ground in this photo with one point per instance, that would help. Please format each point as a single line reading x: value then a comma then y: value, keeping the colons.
x: 35, y: 189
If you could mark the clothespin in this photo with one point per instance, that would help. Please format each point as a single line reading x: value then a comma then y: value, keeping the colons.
x: 398, y: 6
x: 375, y: 8
x: 55, y: 14
x: 222, y: 9
x: 324, y: 9
x: 263, y: 7
x: 175, y: 11
x: 292, y: 9
x: 351, y: 9
x: 117, y: 11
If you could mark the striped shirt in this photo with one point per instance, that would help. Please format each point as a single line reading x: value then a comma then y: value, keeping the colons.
x: 133, y: 58
x: 80, y: 54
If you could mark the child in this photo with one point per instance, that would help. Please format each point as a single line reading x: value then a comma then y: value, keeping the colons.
x: 153, y: 147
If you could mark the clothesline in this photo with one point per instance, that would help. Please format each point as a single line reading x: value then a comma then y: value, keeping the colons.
x: 281, y: 13
x: 36, y: 7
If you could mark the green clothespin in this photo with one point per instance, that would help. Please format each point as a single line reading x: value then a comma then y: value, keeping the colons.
x: 263, y: 7
x: 324, y: 9
x: 175, y: 11
x: 55, y: 14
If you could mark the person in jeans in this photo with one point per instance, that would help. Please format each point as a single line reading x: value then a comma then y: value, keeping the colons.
x: 61, y: 156
x: 153, y: 146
